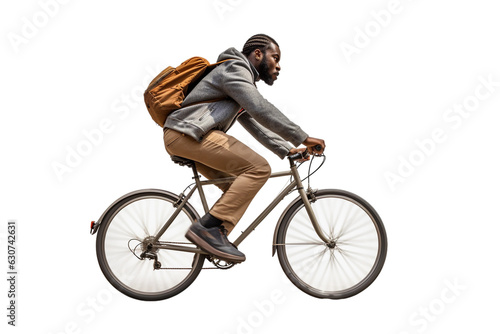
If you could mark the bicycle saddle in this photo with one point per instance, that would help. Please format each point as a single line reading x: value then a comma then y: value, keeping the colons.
x: 182, y: 161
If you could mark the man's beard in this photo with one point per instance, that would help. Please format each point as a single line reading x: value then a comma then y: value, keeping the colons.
x: 264, y: 72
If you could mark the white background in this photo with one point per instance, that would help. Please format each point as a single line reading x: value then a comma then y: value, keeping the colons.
x: 81, y: 63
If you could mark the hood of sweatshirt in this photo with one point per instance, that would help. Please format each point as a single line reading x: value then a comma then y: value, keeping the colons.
x: 232, y: 53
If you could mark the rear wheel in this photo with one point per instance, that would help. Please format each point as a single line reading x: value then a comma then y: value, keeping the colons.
x: 349, y: 262
x: 123, y: 237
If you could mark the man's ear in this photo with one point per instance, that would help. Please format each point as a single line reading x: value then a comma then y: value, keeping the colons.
x: 255, y: 57
x: 258, y: 55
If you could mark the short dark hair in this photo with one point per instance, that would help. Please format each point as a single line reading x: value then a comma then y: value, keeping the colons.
x: 259, y: 41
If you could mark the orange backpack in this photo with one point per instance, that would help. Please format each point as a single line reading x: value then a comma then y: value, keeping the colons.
x: 167, y: 91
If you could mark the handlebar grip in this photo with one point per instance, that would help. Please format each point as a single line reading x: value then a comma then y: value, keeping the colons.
x: 317, y: 148
x: 295, y: 156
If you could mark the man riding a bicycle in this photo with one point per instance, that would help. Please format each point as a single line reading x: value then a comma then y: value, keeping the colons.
x: 198, y: 132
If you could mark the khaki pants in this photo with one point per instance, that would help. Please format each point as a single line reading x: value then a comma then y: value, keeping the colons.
x: 220, y: 155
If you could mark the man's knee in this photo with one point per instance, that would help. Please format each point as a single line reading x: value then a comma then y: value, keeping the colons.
x: 264, y: 170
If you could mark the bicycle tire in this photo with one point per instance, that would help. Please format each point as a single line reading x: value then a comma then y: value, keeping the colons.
x: 125, y: 226
x: 343, y: 268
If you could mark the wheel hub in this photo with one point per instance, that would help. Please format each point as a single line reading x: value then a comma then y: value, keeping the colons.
x: 331, y: 244
x: 147, y: 245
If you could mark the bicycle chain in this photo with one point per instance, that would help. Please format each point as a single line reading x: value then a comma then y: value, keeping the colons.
x: 185, y: 268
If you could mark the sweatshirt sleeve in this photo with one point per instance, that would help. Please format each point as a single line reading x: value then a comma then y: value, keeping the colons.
x: 266, y: 137
x: 237, y: 83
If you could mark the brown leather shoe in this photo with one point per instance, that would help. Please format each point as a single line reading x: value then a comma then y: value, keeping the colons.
x: 213, y: 240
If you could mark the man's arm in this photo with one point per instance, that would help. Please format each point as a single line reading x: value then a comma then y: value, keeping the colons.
x: 237, y: 83
x: 266, y: 137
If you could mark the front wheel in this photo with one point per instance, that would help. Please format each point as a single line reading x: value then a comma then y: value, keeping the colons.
x: 349, y: 262
x: 126, y: 231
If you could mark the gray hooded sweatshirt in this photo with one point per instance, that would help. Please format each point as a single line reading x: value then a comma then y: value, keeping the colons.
x: 234, y: 83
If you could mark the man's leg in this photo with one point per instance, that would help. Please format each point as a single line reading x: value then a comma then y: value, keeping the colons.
x: 221, y: 152
x: 224, y: 153
x: 211, y: 174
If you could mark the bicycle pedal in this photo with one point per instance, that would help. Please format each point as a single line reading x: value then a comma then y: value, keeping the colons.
x: 221, y: 264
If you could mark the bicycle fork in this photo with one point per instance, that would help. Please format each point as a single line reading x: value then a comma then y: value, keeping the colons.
x: 307, y: 204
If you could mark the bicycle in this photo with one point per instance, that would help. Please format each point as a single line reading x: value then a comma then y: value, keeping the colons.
x: 331, y: 243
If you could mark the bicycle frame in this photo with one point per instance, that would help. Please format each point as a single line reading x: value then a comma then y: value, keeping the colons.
x: 296, y: 183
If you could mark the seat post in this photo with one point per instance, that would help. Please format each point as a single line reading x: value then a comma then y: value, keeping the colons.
x: 196, y: 178
x: 191, y: 163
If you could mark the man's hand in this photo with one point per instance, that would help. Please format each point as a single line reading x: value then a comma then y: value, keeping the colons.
x: 299, y: 150
x: 311, y: 142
